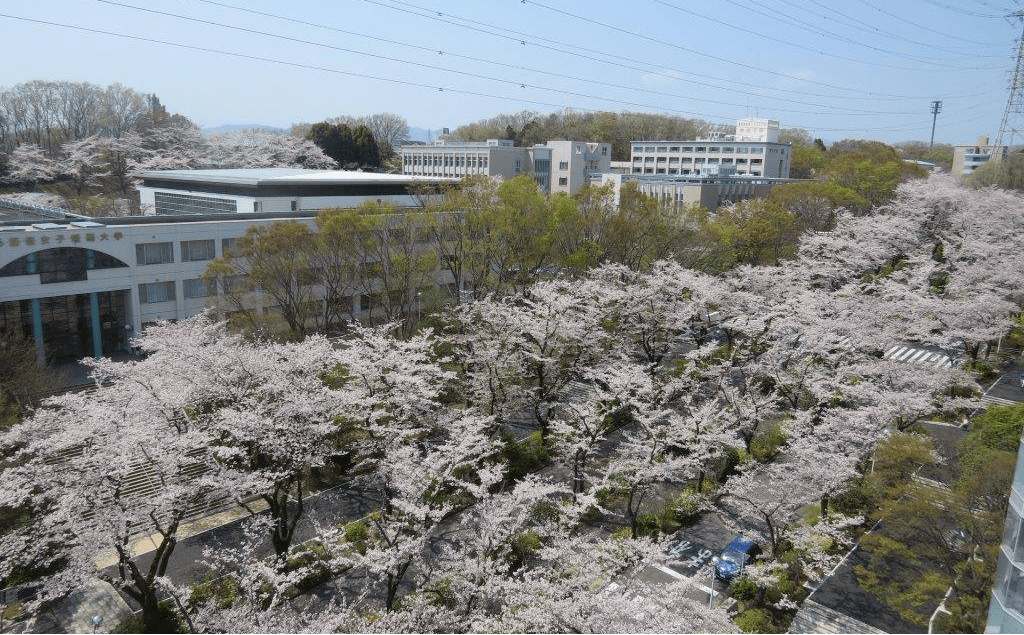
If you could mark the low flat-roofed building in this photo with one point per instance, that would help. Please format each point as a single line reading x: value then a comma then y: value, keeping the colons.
x: 710, y: 190
x: 187, y: 192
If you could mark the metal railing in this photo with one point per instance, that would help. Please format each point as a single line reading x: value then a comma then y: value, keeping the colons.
x: 56, y: 213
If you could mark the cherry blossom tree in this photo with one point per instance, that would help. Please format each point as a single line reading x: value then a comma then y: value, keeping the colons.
x: 28, y: 163
x: 98, y: 470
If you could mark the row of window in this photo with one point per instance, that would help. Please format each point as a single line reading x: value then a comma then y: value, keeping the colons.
x: 193, y: 288
x: 447, y: 160
x: 683, y: 171
x: 676, y: 160
x: 191, y: 251
x: 724, y: 149
x: 177, y: 204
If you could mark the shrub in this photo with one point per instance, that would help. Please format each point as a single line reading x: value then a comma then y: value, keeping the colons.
x: 544, y: 511
x: 744, y: 589
x: 766, y: 447
x: 222, y: 590
x: 859, y: 499
x: 756, y: 621
x: 686, y: 507
x: 725, y: 464
x: 647, y: 525
x: 524, y: 457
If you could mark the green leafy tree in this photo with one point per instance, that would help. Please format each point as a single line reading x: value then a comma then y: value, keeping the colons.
x: 869, y: 168
x: 757, y: 232
x: 275, y: 261
x: 814, y: 203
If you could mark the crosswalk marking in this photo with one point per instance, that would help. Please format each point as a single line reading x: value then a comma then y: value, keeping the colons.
x: 913, y: 355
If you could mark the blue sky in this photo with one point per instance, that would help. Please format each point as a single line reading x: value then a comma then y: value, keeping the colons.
x: 850, y: 69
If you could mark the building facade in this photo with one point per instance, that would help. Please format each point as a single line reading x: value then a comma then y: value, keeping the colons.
x: 574, y: 162
x: 1006, y: 610
x: 558, y: 166
x: 753, y: 151
x: 84, y: 287
x: 710, y: 191
x: 968, y: 158
x: 272, y: 190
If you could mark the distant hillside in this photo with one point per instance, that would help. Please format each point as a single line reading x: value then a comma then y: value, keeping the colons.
x: 236, y: 127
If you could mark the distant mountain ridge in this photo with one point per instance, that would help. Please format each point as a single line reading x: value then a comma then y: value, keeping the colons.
x: 238, y: 127
x: 416, y: 134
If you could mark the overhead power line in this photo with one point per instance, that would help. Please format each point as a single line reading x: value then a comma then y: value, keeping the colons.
x: 921, y: 26
x: 836, y: 111
x: 839, y: 110
x: 604, y: 56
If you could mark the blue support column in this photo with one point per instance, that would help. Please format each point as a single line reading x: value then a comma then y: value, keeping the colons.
x: 37, y: 332
x: 94, y: 312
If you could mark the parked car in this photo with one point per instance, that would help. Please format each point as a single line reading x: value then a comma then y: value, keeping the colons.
x: 734, y: 557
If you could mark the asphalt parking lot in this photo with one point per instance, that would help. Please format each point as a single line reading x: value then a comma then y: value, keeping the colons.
x: 690, y: 553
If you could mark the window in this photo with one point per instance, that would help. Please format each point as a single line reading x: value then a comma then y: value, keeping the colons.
x: 227, y: 245
x: 562, y: 181
x: 295, y: 206
x: 62, y: 264
x: 649, y: 149
x: 193, y: 250
x: 176, y: 204
x: 255, y: 206
x: 563, y: 165
x: 674, y: 149
x: 154, y: 253
x: 197, y: 288
x: 662, y: 148
x: 156, y: 292
x: 604, y: 151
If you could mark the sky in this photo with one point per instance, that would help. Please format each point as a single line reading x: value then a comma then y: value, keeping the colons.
x: 852, y: 69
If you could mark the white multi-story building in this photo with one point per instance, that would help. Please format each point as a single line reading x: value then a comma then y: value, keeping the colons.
x: 574, y: 162
x: 558, y: 166
x: 968, y: 158
x: 84, y: 287
x: 753, y: 151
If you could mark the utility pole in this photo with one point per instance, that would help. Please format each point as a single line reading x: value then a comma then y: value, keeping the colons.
x: 936, y: 108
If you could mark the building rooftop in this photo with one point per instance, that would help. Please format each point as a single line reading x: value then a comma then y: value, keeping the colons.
x: 255, y: 177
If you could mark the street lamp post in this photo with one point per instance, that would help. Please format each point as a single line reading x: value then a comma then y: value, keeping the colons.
x: 711, y: 592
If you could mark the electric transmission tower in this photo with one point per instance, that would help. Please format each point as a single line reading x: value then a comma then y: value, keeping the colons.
x: 1012, y: 124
